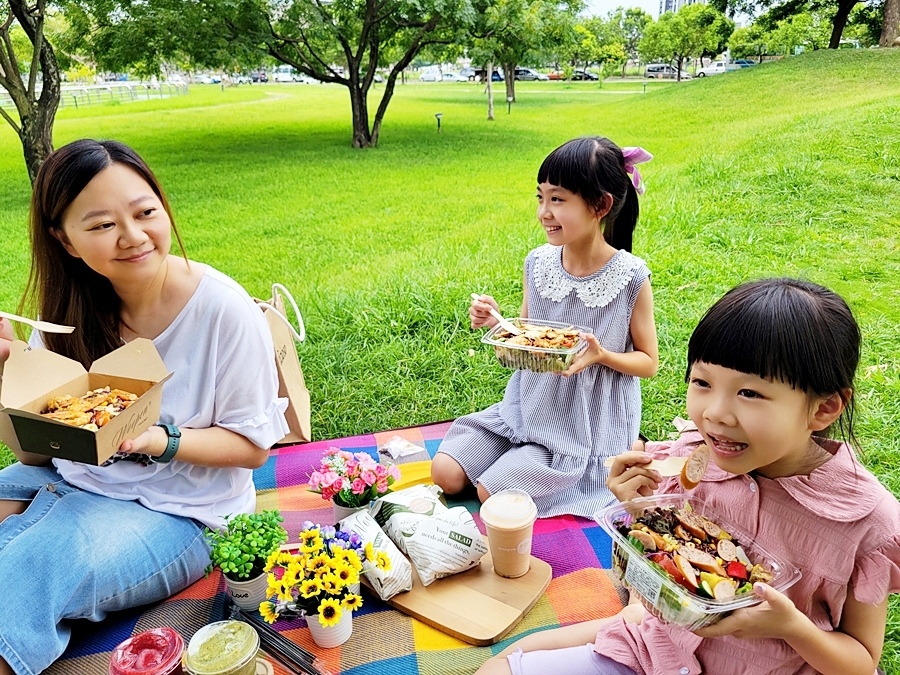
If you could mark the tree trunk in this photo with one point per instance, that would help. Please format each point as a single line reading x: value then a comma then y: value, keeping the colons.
x: 840, y: 20
x: 890, y: 28
x: 509, y: 75
x: 489, y: 88
x: 362, y: 136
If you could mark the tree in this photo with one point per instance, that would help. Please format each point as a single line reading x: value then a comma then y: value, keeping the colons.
x: 35, y: 99
x: 779, y: 10
x: 628, y: 26
x: 890, y: 28
x: 338, y: 41
x: 806, y: 30
x: 692, y: 31
x: 749, y: 41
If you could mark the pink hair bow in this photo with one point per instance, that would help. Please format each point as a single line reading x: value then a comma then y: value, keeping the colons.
x: 633, y: 157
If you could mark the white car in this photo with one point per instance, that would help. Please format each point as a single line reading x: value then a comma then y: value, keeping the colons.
x: 717, y: 68
x: 430, y: 76
x: 453, y: 77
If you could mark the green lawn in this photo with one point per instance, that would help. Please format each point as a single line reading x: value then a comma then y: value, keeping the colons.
x: 789, y: 168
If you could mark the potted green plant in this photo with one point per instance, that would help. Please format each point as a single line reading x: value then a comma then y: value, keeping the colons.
x: 240, y: 550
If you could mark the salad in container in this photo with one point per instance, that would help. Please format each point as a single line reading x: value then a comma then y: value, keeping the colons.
x: 687, y: 566
x: 543, y: 346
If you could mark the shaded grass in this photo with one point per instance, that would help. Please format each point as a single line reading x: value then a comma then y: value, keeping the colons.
x: 787, y: 168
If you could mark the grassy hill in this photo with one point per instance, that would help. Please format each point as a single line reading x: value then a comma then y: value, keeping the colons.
x: 788, y: 168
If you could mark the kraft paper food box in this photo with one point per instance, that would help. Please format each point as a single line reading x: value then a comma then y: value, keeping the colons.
x: 32, y: 377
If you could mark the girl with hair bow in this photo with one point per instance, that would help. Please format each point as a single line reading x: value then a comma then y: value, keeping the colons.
x: 550, y: 435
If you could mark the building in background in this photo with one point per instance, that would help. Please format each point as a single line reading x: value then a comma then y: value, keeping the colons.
x: 675, y: 5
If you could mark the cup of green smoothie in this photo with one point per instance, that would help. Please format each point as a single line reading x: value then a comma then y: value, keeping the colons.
x: 222, y: 648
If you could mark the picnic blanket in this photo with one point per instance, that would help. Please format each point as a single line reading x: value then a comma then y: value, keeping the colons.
x: 384, y: 640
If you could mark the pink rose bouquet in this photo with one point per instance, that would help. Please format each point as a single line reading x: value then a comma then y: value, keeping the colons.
x: 352, y: 480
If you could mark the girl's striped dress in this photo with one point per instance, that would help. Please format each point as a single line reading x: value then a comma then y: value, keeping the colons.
x: 550, y: 434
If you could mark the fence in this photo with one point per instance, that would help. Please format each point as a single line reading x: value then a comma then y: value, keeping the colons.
x: 77, y: 96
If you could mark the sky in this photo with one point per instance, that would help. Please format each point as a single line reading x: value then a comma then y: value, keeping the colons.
x: 604, y: 7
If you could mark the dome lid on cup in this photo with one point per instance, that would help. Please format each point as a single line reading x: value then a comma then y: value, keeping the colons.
x: 221, y: 648
x: 153, y: 652
x: 509, y: 509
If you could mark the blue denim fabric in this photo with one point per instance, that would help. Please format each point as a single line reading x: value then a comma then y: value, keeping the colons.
x: 78, y: 555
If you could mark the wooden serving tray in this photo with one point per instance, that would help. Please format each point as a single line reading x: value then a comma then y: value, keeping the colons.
x: 476, y: 606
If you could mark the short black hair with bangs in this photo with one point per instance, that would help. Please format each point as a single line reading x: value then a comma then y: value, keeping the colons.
x: 783, y: 329
x: 592, y: 167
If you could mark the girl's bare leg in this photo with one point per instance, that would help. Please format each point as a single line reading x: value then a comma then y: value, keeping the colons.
x: 5, y: 669
x: 448, y: 474
x: 10, y: 507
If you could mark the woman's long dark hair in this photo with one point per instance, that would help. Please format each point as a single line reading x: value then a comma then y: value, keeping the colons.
x: 61, y: 288
x: 784, y: 329
x: 592, y: 167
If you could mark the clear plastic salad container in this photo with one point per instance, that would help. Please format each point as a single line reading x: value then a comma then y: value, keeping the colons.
x: 535, y: 358
x: 659, y: 592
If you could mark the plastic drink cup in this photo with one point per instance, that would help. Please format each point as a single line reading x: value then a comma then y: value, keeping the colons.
x: 223, y: 648
x: 509, y: 517
x: 153, y: 652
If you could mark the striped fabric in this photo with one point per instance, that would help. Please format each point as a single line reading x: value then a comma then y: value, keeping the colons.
x: 384, y: 641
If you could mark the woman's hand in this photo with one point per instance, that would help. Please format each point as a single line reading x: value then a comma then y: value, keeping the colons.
x: 480, y: 312
x: 776, y: 618
x: 7, y: 335
x: 151, y: 442
x: 594, y: 353
x: 629, y: 477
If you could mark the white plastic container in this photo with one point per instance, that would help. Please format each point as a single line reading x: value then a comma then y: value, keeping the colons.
x: 537, y: 359
x: 663, y: 596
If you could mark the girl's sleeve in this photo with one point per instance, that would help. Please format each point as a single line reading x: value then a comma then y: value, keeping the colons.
x: 877, y: 573
x: 246, y: 398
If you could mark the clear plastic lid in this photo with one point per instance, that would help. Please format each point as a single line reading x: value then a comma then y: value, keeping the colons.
x: 153, y: 652
x: 509, y: 509
x: 222, y: 648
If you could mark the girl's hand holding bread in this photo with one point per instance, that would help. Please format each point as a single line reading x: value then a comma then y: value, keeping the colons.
x: 630, y: 476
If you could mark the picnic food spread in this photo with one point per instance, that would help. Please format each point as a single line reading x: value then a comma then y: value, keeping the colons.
x: 90, y: 411
x: 543, y: 346
x: 694, y: 552
x: 153, y: 652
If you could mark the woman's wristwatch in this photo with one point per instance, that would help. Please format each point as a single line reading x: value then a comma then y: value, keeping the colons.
x: 174, y: 440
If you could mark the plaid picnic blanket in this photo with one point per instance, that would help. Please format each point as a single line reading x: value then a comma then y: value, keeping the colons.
x: 384, y: 640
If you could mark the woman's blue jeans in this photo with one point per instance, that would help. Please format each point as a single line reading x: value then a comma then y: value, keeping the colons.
x: 78, y: 555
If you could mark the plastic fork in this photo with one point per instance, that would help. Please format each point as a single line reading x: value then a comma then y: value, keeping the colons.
x: 504, y: 324
x: 43, y: 326
x: 670, y: 466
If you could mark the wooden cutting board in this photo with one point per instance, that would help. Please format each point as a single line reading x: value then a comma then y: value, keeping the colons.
x: 477, y: 606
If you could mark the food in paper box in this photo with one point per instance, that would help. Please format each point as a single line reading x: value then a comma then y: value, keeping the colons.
x: 91, y: 411
x: 544, y: 346
x: 399, y: 513
x: 688, y: 567
x: 446, y: 543
x: 385, y: 583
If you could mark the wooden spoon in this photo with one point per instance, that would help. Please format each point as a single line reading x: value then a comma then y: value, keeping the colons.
x: 43, y: 326
x: 504, y: 324
x: 670, y: 466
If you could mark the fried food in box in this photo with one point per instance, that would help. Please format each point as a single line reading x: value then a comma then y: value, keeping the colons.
x: 91, y: 411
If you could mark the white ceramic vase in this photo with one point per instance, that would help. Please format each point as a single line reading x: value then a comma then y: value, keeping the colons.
x: 330, y: 636
x: 341, y: 512
x: 249, y: 593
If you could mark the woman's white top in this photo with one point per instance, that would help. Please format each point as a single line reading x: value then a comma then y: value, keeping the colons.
x: 220, y: 352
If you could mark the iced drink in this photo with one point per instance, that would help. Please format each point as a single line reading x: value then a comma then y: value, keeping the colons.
x: 223, y: 648
x: 509, y: 517
x: 153, y: 652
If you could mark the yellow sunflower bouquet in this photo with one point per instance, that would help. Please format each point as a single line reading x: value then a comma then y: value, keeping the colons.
x: 319, y: 575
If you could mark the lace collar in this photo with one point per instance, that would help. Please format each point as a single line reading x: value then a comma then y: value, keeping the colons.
x: 595, y: 290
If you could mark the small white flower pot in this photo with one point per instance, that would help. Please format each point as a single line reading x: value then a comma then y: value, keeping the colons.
x: 249, y: 593
x: 330, y: 636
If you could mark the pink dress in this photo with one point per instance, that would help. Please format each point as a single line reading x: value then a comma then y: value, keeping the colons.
x: 838, y: 525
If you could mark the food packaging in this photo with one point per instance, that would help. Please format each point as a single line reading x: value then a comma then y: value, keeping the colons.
x: 660, y: 594
x: 446, y: 543
x: 399, y: 513
x: 537, y: 359
x: 385, y: 583
x: 32, y: 377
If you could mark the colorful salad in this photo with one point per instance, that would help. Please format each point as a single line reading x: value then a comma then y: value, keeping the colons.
x: 694, y: 552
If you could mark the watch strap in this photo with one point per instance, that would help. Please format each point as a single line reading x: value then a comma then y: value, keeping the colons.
x: 174, y: 440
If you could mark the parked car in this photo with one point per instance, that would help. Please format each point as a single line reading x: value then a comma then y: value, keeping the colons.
x: 496, y: 76
x: 556, y: 75
x: 468, y: 73
x: 663, y: 71
x: 716, y: 68
x: 259, y: 76
x: 530, y: 74
x: 584, y: 75
x: 453, y: 77
x: 744, y: 63
x: 430, y: 76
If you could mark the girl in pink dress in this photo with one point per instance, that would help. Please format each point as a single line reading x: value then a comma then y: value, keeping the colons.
x: 770, y: 374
